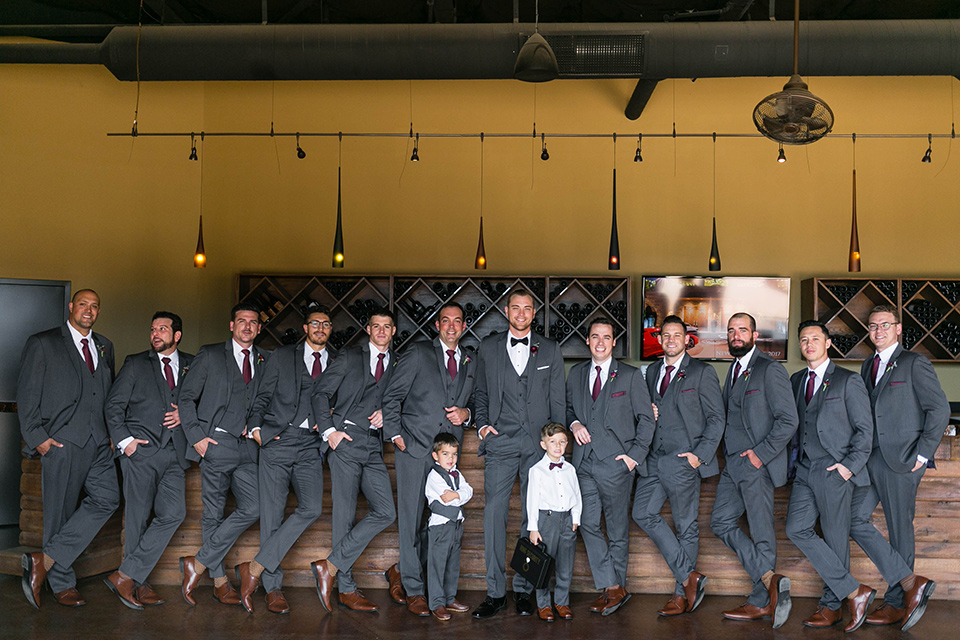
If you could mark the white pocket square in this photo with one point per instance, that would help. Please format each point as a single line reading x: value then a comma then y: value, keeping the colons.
x: 546, y: 366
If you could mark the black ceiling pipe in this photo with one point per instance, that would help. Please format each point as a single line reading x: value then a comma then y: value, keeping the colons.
x: 488, y: 51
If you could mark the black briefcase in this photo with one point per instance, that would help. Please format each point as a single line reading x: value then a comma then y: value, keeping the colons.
x: 532, y: 562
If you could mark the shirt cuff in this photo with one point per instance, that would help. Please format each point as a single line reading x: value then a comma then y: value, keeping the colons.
x: 921, y: 459
x: 326, y: 434
x: 123, y: 443
x: 481, y: 429
x: 394, y: 438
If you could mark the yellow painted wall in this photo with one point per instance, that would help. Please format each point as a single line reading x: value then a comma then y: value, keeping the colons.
x: 120, y: 215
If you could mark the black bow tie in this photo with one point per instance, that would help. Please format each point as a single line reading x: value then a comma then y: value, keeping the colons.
x: 556, y: 465
x: 515, y: 341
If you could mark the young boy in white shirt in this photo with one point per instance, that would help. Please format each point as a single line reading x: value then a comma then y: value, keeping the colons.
x: 446, y: 491
x: 553, y: 515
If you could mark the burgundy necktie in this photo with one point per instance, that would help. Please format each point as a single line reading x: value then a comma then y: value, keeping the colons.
x: 811, y: 384
x: 379, y: 371
x: 451, y: 364
x: 596, y: 386
x: 87, y: 356
x: 874, y: 369
x: 556, y: 465
x: 666, y: 380
x: 168, y: 373
x: 736, y: 373
x: 247, y: 374
x: 317, y: 365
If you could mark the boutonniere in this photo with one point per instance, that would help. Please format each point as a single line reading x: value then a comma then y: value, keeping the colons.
x: 102, y: 351
x: 681, y: 375
x: 260, y: 358
x: 466, y: 360
x: 534, y: 349
x: 825, y: 385
x: 890, y: 366
x: 613, y: 374
x: 184, y: 370
x: 746, y: 374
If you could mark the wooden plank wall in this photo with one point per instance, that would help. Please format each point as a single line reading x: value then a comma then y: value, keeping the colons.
x: 937, y: 527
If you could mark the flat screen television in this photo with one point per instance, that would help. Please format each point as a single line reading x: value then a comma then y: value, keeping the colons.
x: 706, y: 303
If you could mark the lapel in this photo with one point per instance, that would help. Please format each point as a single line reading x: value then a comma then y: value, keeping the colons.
x: 72, y: 354
x: 228, y: 362
x: 440, y: 351
x: 608, y: 387
x: 888, y: 370
x: 298, y: 361
x: 153, y: 361
x: 585, y: 393
x: 500, y: 354
x: 653, y: 373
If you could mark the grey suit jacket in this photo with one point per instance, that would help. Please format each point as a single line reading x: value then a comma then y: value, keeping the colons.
x: 420, y: 388
x: 341, y: 390
x: 769, y: 411
x: 843, y: 418
x: 205, y: 393
x: 627, y: 415
x: 278, y: 396
x: 910, y: 410
x: 546, y: 400
x: 48, y: 389
x: 138, y: 401
x: 693, y: 397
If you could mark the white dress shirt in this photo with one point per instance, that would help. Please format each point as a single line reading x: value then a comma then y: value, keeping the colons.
x: 744, y: 361
x: 308, y: 362
x: 519, y: 353
x: 77, y: 337
x: 604, y: 373
x: 435, y: 487
x: 554, y: 489
x: 818, y: 378
x: 238, y: 356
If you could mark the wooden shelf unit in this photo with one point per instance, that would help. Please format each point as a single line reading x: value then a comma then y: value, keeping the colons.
x: 929, y: 313
x: 565, y: 305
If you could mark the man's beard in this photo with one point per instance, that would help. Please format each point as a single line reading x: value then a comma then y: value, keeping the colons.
x: 739, y: 352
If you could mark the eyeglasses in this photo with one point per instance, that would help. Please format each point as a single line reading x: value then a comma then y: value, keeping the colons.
x: 873, y: 327
x: 316, y: 324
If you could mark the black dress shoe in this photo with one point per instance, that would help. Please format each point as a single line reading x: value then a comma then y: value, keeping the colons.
x: 523, y: 603
x: 489, y: 607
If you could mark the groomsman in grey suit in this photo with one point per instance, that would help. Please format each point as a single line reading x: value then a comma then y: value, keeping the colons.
x: 215, y: 401
x: 144, y: 423
x: 65, y: 375
x: 761, y: 421
x: 689, y: 413
x: 352, y: 432
x: 283, y: 424
x: 427, y: 395
x: 910, y: 414
x: 835, y: 437
x: 610, y: 417
x: 520, y: 388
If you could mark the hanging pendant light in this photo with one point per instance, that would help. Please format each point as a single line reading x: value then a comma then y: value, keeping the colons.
x: 853, y: 264
x: 338, y: 237
x: 613, y: 261
x: 536, y: 61
x: 200, y: 256
x: 481, y: 261
x: 714, y: 262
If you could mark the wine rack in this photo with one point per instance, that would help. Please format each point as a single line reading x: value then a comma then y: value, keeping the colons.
x: 929, y: 313
x: 565, y: 306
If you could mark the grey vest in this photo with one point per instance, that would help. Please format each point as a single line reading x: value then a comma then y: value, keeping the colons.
x: 513, y: 414
x: 809, y: 438
x: 735, y: 436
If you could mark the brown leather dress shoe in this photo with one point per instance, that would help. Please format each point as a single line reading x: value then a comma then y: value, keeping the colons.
x: 417, y: 605
x: 600, y: 602
x: 397, y: 592
x: 457, y: 607
x: 70, y: 598
x: 858, y: 607
x: 277, y: 603
x: 124, y: 588
x: 823, y: 617
x: 248, y: 585
x: 674, y: 607
x: 545, y: 614
x: 190, y: 578
x: 324, y: 575
x: 33, y: 576
x: 747, y: 611
x: 564, y: 612
x: 355, y: 601
x: 147, y: 596
x: 226, y: 594
x: 916, y: 601
x: 885, y: 614
x: 693, y: 592
x: 440, y: 613
x: 780, y: 602
x: 616, y: 598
